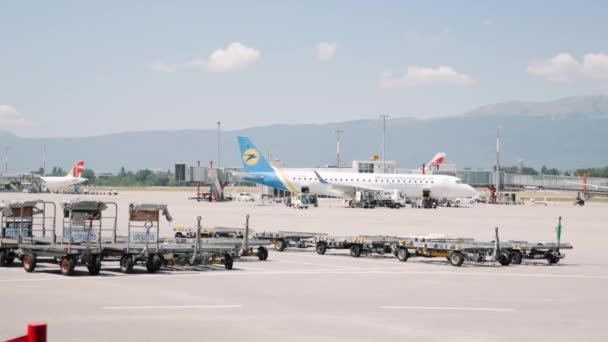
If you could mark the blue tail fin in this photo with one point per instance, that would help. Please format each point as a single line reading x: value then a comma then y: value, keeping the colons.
x: 252, y: 158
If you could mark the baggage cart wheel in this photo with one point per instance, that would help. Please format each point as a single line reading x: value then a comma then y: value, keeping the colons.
x: 456, y: 258
x: 355, y: 251
x: 228, y: 261
x: 152, y: 263
x: 94, y: 265
x: 403, y: 254
x: 280, y: 245
x: 67, y: 266
x: 504, y: 259
x: 6, y: 259
x: 29, y: 262
x: 321, y: 248
x: 126, y: 264
x: 262, y: 253
x: 552, y: 259
x: 516, y: 258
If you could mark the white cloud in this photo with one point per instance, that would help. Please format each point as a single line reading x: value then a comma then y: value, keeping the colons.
x: 564, y: 68
x: 10, y: 117
x: 326, y: 51
x: 234, y: 57
x: 417, y: 76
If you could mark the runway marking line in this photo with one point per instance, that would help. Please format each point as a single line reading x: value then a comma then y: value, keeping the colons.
x: 445, y: 308
x: 163, y: 307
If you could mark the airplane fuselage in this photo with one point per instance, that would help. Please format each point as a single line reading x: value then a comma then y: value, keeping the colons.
x: 343, y: 184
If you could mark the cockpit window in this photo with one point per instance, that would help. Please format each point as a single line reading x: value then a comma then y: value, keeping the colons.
x: 458, y: 182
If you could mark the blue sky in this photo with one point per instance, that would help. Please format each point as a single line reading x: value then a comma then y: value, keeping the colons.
x: 70, y: 68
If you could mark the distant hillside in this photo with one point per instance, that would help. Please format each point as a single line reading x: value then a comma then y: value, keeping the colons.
x: 566, y: 133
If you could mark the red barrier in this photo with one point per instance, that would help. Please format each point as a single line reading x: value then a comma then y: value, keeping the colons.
x: 36, y: 332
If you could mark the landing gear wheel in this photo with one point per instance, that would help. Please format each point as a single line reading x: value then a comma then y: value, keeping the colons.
x: 321, y: 248
x: 504, y: 259
x: 67, y: 266
x: 516, y: 258
x: 126, y: 264
x: 397, y: 206
x: 228, y: 261
x: 29, y: 262
x: 94, y: 265
x: 262, y: 254
x: 153, y: 263
x: 280, y: 245
x: 355, y: 251
x: 403, y: 254
x: 456, y: 259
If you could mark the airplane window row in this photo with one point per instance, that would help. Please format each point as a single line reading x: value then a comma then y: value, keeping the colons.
x: 368, y: 180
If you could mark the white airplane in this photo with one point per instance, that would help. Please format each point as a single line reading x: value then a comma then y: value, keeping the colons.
x: 72, y: 178
x: 345, y: 184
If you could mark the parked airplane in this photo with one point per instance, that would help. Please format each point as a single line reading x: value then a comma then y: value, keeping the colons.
x: 72, y: 178
x: 345, y: 184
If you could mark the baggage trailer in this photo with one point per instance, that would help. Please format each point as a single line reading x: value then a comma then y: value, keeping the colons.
x: 283, y: 239
x: 142, y: 244
x: 24, y: 221
x: 81, y: 240
x: 534, y: 251
x: 455, y: 250
x: 362, y: 244
x: 242, y: 244
x: 202, y: 247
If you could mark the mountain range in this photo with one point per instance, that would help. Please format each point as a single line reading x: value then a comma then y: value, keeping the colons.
x: 567, y: 133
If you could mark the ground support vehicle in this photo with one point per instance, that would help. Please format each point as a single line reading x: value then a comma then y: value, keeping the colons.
x: 456, y: 250
x: 358, y: 245
x: 550, y: 251
x: 81, y: 241
x: 363, y: 199
x: 285, y: 239
x: 393, y: 199
x: 24, y: 222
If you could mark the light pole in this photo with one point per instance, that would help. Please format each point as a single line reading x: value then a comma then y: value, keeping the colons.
x: 6, y: 149
x: 219, y: 124
x: 384, y: 117
x: 338, y: 131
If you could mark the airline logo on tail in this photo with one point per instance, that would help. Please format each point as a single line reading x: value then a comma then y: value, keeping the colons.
x: 76, y: 171
x: 436, y: 161
x: 251, y: 157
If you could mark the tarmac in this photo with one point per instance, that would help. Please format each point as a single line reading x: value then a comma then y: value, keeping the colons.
x: 298, y: 295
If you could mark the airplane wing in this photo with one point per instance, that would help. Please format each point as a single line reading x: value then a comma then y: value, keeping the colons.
x: 340, y: 189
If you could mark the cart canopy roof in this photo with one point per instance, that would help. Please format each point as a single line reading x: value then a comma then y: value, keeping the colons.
x: 7, y: 207
x: 152, y: 207
x: 84, y: 205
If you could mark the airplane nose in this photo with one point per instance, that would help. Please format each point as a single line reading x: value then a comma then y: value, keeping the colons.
x: 472, y: 192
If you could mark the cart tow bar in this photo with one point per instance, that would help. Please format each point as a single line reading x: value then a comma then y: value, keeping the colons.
x: 497, y: 246
x: 197, y: 245
x: 245, y: 248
